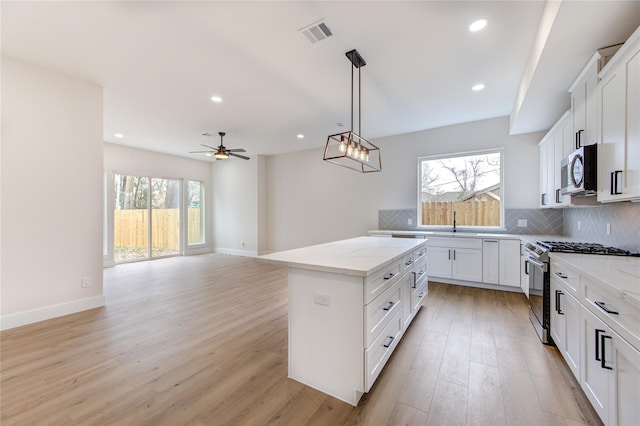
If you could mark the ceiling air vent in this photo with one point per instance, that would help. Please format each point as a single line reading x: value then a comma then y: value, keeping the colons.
x: 316, y: 32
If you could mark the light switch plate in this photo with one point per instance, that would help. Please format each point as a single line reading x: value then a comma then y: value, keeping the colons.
x: 522, y: 223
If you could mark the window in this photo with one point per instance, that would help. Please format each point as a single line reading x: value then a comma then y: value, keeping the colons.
x: 195, y: 212
x: 465, y: 186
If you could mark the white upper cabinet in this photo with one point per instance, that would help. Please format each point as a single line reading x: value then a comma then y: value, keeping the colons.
x: 584, y: 105
x: 556, y: 145
x: 619, y: 112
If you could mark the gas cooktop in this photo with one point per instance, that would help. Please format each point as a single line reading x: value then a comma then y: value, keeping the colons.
x: 583, y: 248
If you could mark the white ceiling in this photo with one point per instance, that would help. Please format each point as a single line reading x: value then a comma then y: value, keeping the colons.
x: 160, y: 62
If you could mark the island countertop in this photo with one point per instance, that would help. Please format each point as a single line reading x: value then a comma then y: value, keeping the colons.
x: 361, y: 256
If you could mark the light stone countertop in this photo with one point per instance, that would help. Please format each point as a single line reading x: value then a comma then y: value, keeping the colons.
x: 361, y: 256
x: 460, y: 234
x: 619, y: 273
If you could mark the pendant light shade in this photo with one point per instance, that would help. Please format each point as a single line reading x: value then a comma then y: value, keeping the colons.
x: 349, y: 149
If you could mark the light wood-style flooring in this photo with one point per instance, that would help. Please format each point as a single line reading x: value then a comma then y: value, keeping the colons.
x: 202, y: 340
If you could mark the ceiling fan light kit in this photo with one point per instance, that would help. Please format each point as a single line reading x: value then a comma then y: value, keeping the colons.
x: 221, y: 152
x: 349, y: 149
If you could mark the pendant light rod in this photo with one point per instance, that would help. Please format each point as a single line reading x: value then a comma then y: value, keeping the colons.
x: 356, y: 62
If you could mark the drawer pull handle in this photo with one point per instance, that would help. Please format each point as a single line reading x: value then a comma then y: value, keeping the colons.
x: 415, y: 280
x: 389, y: 306
x: 421, y: 295
x: 602, y: 306
x: 408, y: 262
x: 561, y: 275
x: 389, y: 276
x: 391, y: 339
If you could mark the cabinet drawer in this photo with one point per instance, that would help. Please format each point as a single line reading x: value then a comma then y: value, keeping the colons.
x: 417, y: 296
x: 379, y: 312
x: 420, y: 253
x: 377, y: 283
x: 420, y: 269
x: 568, y: 277
x: 380, y: 350
x: 620, y: 313
x: 407, y: 262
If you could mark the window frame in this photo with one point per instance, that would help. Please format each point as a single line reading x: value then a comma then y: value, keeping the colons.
x: 420, y: 226
x: 203, y: 234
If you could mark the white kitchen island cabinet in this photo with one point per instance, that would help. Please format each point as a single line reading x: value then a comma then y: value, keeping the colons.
x: 347, y: 309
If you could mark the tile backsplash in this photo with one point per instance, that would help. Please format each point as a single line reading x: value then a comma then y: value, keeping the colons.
x: 539, y: 221
x: 588, y: 224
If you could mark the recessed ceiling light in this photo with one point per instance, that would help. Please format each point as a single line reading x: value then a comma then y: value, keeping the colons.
x: 300, y: 136
x: 478, y: 87
x: 478, y: 25
x: 118, y: 135
x: 216, y: 99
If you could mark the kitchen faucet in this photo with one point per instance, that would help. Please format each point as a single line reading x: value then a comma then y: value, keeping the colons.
x: 454, y: 221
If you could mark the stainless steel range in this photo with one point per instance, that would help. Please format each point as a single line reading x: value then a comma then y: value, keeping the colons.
x: 537, y: 268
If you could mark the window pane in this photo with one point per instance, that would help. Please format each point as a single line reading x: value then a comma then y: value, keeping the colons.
x: 130, y: 220
x: 468, y: 186
x: 195, y: 212
x: 165, y: 219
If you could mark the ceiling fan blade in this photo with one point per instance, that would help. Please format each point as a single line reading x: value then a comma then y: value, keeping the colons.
x: 198, y: 152
x: 236, y: 150
x: 238, y: 155
x: 210, y: 147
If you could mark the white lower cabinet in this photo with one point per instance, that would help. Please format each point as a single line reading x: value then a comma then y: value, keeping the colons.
x: 509, y: 263
x: 565, y: 325
x: 457, y: 258
x: 610, y: 372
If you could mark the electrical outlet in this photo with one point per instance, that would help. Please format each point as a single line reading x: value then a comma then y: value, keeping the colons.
x: 409, y: 221
x: 86, y: 282
x: 322, y: 299
x: 522, y: 223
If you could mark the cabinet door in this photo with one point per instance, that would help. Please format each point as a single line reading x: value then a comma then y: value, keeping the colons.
x: 467, y: 264
x: 578, y: 98
x: 560, y: 145
x: 524, y: 274
x: 590, y: 134
x: 612, y: 135
x: 544, y: 196
x: 490, y: 262
x: 631, y: 181
x: 509, y: 263
x: 626, y: 389
x: 439, y: 261
x: 407, y: 283
x: 557, y: 319
x: 573, y: 344
x: 595, y: 378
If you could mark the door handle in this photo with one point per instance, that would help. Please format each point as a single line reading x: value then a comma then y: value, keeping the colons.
x: 604, y: 354
x: 561, y: 275
x: 526, y: 267
x: 598, y: 340
x: 579, y: 138
x: 415, y: 279
x: 558, y: 294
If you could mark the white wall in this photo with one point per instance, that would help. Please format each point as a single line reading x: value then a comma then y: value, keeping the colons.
x: 238, y: 204
x: 51, y: 229
x: 139, y: 162
x: 311, y: 201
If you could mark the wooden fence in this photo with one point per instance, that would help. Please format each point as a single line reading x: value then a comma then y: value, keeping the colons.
x: 468, y: 213
x: 131, y: 228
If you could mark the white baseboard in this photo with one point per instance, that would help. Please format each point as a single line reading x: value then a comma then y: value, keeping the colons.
x: 47, y: 312
x: 235, y: 252
x: 198, y: 250
x: 476, y: 284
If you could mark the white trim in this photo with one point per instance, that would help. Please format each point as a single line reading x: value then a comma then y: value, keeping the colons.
x: 476, y: 284
x: 190, y: 251
x: 235, y: 252
x: 47, y: 312
x: 108, y: 263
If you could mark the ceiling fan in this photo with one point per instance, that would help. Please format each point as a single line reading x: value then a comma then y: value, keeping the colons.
x: 221, y: 152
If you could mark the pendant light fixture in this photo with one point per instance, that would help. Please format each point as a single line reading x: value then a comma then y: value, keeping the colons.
x: 349, y: 149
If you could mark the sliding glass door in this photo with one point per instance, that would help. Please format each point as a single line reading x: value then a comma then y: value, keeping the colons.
x: 146, y: 220
x: 165, y: 217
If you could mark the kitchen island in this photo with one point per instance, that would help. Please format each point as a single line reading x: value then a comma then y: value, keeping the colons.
x: 350, y: 302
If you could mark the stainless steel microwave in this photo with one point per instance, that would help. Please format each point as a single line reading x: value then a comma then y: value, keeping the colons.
x: 579, y: 171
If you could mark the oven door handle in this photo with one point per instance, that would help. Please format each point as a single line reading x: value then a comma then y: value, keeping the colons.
x: 537, y: 263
